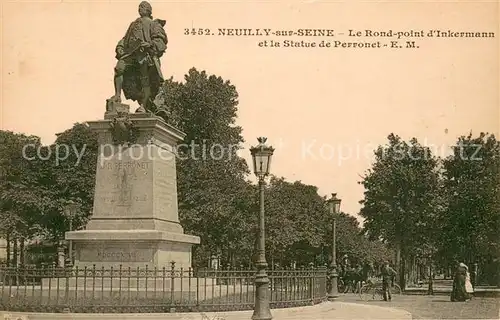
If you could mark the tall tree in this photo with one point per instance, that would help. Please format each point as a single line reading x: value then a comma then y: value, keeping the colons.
x: 299, y: 227
x: 401, y: 191
x: 211, y: 175
x: 351, y: 241
x: 472, y: 219
x: 39, y: 180
x: 73, y: 161
x: 293, y: 210
x: 21, y: 200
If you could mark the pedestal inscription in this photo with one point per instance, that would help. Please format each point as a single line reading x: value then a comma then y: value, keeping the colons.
x: 122, y: 187
x: 116, y: 254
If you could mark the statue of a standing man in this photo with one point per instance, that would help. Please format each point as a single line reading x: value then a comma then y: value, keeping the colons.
x: 137, y: 71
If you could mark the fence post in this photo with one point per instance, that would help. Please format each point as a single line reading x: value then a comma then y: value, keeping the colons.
x: 172, y: 286
x: 311, y: 282
x: 324, y: 277
x: 67, y: 272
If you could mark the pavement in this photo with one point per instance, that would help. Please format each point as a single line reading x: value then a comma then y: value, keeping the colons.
x: 326, y: 310
x: 446, y: 290
x: 436, y: 307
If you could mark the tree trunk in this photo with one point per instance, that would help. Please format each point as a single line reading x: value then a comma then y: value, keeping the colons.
x: 400, y: 263
x: 398, y: 256
x: 430, y: 289
x: 8, y: 249
x: 14, y: 253
x: 22, y: 258
x: 415, y: 271
x: 402, y: 282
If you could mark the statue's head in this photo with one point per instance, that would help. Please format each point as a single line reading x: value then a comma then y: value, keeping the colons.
x: 145, y: 9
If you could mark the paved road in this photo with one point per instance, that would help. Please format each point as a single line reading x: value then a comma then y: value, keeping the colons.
x: 437, y: 307
x: 324, y: 311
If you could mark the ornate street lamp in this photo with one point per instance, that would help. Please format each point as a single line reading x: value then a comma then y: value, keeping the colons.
x: 334, y: 206
x: 261, y: 155
x: 70, y: 212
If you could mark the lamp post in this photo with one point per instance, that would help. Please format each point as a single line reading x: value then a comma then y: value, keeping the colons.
x: 69, y: 212
x: 334, y: 206
x: 261, y: 156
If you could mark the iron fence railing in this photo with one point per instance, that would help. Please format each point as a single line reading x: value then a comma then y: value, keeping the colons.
x: 169, y: 289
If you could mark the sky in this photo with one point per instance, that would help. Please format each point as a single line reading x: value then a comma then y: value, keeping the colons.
x: 323, y: 109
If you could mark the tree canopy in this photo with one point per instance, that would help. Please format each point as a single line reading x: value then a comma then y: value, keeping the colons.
x: 472, y: 218
x: 401, y: 195
x: 443, y: 209
x: 22, y: 200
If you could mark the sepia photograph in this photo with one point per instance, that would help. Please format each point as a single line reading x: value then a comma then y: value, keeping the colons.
x: 231, y: 160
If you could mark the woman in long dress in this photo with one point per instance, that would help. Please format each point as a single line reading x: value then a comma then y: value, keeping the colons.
x: 468, y: 284
x: 458, y: 292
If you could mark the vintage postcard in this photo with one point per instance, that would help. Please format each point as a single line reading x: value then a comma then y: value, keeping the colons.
x: 237, y: 155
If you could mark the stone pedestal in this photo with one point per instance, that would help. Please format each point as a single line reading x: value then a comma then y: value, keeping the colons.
x: 135, y: 218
